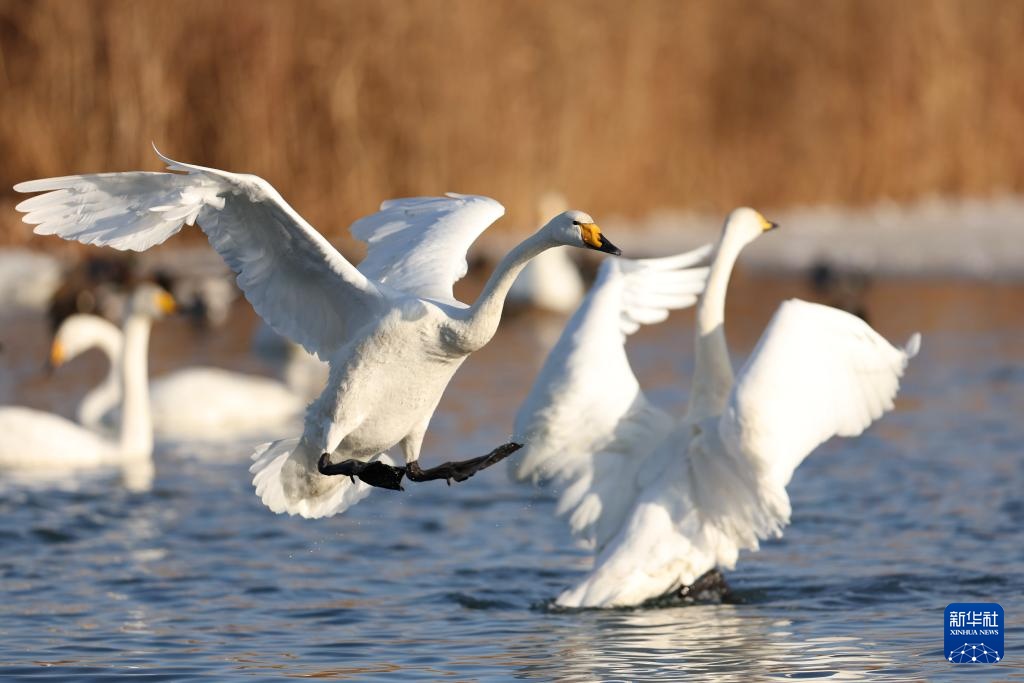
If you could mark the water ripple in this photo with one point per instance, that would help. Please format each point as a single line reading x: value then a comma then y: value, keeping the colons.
x: 195, y: 578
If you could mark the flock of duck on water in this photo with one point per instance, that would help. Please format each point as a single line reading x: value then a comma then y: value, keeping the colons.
x: 664, y: 500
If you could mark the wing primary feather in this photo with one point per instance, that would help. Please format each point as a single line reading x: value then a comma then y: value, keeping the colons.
x: 587, y: 378
x: 418, y: 245
x: 275, y: 253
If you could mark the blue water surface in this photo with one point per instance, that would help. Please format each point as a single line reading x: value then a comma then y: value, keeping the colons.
x: 193, y: 577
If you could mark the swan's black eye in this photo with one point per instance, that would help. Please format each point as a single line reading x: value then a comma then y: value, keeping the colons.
x: 575, y: 222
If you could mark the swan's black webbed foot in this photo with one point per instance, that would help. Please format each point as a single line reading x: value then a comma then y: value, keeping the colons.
x: 710, y: 586
x: 463, y: 469
x: 373, y: 473
x: 389, y: 477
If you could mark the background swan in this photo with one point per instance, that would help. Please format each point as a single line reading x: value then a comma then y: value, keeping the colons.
x: 76, y: 335
x: 27, y: 279
x: 33, y: 440
x: 391, y: 330
x: 665, y: 499
x: 193, y: 403
x: 214, y: 404
x: 302, y: 372
x: 552, y: 280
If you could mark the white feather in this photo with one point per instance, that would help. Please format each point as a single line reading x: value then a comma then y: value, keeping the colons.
x: 274, y: 473
x: 585, y: 422
x: 703, y: 487
x: 393, y: 342
x: 817, y: 372
x: 418, y: 245
x: 293, y: 277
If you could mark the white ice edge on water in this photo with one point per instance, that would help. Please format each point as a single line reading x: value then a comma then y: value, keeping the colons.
x: 976, y: 238
x: 935, y: 236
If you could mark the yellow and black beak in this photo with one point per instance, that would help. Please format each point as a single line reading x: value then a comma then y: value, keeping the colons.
x: 767, y: 225
x: 55, y: 359
x: 593, y: 238
x: 166, y: 303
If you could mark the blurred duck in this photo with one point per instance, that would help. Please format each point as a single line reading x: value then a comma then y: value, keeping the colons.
x: 100, y: 285
x: 37, y: 441
x: 664, y: 500
x: 201, y: 284
x: 551, y: 281
x: 201, y: 403
x: 845, y: 289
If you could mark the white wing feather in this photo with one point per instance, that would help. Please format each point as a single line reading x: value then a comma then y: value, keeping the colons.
x: 817, y: 372
x: 586, y: 423
x: 418, y: 245
x: 293, y: 277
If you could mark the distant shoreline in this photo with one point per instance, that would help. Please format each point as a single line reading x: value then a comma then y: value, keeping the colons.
x: 977, y: 238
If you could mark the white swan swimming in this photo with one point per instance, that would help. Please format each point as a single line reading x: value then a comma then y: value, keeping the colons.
x: 208, y: 403
x: 77, y: 334
x: 391, y: 329
x: 551, y: 281
x: 302, y: 372
x: 204, y: 403
x: 663, y: 499
x: 34, y: 440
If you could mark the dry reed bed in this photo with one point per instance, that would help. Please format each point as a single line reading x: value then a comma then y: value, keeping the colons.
x: 625, y: 106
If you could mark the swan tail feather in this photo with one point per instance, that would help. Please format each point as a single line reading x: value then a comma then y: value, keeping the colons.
x: 913, y: 346
x: 286, y: 480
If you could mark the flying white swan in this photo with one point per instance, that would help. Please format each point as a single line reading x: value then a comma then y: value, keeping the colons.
x: 552, y: 280
x: 391, y: 329
x: 200, y: 402
x: 33, y: 440
x: 665, y: 500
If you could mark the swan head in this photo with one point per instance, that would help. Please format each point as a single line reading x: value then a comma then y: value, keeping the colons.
x: 746, y: 225
x: 578, y: 229
x: 152, y: 301
x: 80, y: 332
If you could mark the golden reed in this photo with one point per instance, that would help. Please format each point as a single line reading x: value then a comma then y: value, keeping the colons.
x: 625, y: 106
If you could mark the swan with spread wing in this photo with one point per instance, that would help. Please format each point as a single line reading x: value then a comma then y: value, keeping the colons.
x: 663, y: 499
x: 391, y: 329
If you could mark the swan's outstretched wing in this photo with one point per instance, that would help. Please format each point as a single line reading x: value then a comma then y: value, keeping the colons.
x: 418, y: 245
x: 586, y: 423
x: 817, y: 372
x: 293, y: 277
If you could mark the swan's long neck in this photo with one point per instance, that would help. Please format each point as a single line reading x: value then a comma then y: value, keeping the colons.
x: 713, y: 377
x: 136, y: 423
x: 107, y: 393
x: 481, y: 320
